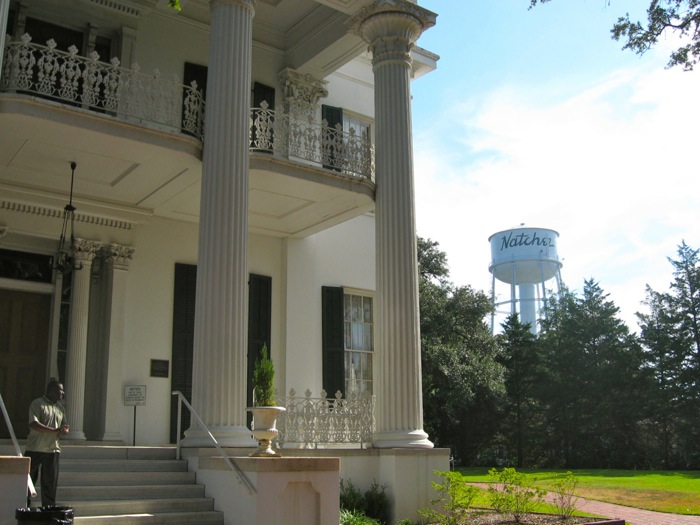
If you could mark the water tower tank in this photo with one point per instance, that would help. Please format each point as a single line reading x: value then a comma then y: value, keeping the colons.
x: 525, y: 260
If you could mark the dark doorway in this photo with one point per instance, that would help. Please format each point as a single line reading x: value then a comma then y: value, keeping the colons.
x: 24, y: 345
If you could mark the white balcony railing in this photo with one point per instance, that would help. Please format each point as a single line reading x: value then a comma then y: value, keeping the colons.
x: 303, y: 139
x: 310, y: 422
x: 153, y: 101
x: 102, y: 87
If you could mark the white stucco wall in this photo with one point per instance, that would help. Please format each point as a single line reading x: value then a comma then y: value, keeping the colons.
x: 340, y: 256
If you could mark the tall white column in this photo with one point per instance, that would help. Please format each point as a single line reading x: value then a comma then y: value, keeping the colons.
x: 84, y: 252
x: 117, y: 258
x: 221, y: 316
x: 391, y: 28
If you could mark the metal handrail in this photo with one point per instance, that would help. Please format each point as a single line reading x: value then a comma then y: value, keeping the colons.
x: 18, y: 451
x: 232, y: 464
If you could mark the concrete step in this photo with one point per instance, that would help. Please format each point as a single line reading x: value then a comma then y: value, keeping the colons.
x: 87, y: 493
x: 120, y: 465
x: 170, y: 518
x: 119, y: 485
x: 69, y: 451
x: 89, y: 478
x: 140, y: 506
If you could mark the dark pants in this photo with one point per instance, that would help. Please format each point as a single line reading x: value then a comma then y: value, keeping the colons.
x: 47, y: 462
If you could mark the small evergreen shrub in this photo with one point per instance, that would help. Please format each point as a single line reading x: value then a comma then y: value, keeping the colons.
x: 350, y: 497
x: 512, y: 492
x: 264, y: 381
x: 377, y: 503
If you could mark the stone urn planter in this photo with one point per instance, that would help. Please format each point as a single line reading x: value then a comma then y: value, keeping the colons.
x: 265, y: 429
x: 264, y: 409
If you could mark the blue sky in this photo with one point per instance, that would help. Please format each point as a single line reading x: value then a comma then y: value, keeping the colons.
x: 538, y: 117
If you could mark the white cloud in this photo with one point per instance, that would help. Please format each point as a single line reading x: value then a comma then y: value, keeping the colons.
x: 610, y: 166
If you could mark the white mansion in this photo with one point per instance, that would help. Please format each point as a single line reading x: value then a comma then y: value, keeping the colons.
x: 235, y: 174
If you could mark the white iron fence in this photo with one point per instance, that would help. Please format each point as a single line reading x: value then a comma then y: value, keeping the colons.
x: 310, y: 422
x: 99, y: 86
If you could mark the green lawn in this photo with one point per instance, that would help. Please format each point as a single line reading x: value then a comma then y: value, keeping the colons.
x: 664, y: 491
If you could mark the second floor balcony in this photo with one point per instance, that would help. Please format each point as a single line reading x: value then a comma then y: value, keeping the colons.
x: 141, y: 136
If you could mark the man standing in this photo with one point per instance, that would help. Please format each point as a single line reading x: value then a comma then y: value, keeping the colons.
x: 47, y: 421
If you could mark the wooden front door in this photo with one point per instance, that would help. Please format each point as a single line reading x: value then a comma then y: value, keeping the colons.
x: 24, y: 350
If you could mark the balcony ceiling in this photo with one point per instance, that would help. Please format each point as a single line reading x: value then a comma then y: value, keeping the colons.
x: 127, y: 170
x: 311, y: 34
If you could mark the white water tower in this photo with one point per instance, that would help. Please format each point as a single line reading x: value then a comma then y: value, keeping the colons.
x: 524, y: 263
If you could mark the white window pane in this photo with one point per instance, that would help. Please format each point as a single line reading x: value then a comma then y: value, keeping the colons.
x: 348, y: 335
x: 356, y: 308
x: 357, y: 336
x: 367, y: 310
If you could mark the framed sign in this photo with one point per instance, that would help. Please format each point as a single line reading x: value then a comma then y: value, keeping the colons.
x: 160, y: 367
x: 134, y: 395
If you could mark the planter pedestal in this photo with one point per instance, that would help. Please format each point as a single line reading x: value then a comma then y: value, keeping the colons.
x: 265, y: 429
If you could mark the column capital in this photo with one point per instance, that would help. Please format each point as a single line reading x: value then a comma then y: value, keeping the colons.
x: 118, y: 255
x: 301, y: 91
x: 84, y: 251
x: 391, y: 28
x: 247, y: 4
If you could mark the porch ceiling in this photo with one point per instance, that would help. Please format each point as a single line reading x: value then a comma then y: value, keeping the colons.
x: 311, y: 34
x: 124, y: 168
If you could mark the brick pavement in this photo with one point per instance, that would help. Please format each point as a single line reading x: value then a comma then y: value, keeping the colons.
x: 631, y: 515
x: 634, y: 516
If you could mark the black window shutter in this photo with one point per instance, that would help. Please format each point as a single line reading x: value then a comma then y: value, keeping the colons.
x: 333, y: 340
x: 332, y: 115
x: 259, y: 324
x: 183, y: 342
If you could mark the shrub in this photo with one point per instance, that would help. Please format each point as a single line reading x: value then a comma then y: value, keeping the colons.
x: 264, y: 381
x: 350, y: 497
x: 377, y: 503
x: 565, y: 498
x: 512, y: 492
x: 355, y: 517
x: 455, y: 497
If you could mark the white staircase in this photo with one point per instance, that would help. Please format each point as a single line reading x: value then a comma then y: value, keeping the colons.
x: 115, y: 485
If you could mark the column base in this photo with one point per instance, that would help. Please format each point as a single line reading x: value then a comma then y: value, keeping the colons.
x: 111, y: 436
x: 237, y: 437
x: 401, y: 439
x: 74, y: 435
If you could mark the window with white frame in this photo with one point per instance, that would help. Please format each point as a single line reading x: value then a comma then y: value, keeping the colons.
x: 359, y: 342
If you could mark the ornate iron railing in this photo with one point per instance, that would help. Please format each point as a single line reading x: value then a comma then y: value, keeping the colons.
x: 310, y: 422
x: 166, y: 104
x: 98, y: 86
x: 301, y: 138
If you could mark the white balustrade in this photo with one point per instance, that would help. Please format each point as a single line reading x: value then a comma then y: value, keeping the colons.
x: 300, y: 138
x: 103, y: 87
x: 310, y: 422
x: 151, y: 100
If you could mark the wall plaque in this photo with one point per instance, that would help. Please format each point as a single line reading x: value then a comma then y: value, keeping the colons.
x: 160, y: 367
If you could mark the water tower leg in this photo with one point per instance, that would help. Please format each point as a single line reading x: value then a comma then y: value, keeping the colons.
x: 528, y: 310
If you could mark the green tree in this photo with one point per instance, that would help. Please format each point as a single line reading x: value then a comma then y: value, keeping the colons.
x: 670, y: 333
x: 520, y: 357
x: 681, y: 17
x: 461, y: 379
x: 594, y: 384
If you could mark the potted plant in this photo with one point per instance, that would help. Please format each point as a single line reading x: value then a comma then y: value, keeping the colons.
x: 264, y: 409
